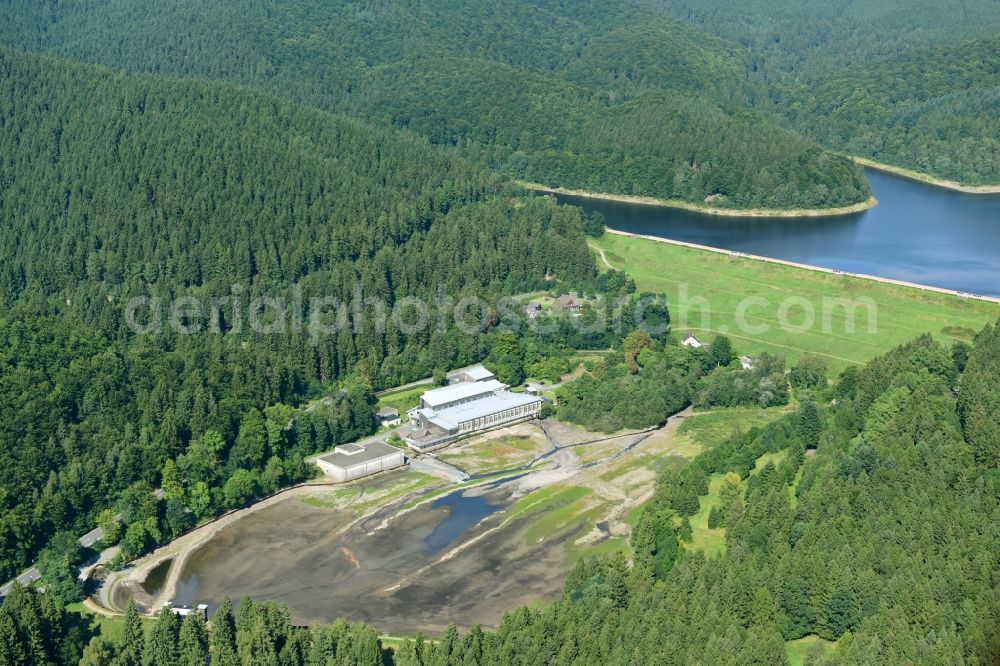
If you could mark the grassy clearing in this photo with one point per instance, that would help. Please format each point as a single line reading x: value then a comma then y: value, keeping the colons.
x: 713, y: 541
x: 770, y: 458
x: 615, y: 544
x: 705, y: 430
x: 659, y: 452
x: 709, y: 541
x: 588, y: 453
x: 547, y: 498
x: 798, y: 650
x: 111, y: 628
x: 570, y: 516
x: 706, y: 288
x: 405, y: 399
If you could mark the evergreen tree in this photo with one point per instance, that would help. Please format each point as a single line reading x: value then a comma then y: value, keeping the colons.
x: 162, y: 640
x: 12, y: 650
x: 222, y: 638
x: 367, y: 649
x: 809, y: 425
x: 193, y: 641
x: 133, y: 638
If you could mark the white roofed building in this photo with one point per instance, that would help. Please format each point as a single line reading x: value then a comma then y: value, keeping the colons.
x: 461, y: 409
x: 456, y: 394
x: 476, y: 373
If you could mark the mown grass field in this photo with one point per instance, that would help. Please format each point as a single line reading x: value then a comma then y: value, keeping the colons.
x: 403, y: 400
x: 707, y: 291
x: 799, y: 649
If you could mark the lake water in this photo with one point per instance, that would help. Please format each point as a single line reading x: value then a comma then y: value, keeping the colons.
x: 918, y: 233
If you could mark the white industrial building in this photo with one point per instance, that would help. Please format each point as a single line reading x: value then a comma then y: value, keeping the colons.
x: 457, y: 394
x: 352, y: 461
x: 460, y: 409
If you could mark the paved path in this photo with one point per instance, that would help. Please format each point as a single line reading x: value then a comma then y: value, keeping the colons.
x: 87, y: 541
x: 432, y: 465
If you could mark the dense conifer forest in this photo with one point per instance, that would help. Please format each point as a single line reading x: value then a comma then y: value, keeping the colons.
x: 912, y: 84
x: 116, y: 187
x: 250, y: 172
x: 877, y: 525
x: 607, y: 96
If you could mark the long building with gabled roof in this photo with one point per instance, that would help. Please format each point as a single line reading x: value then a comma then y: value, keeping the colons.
x: 464, y: 408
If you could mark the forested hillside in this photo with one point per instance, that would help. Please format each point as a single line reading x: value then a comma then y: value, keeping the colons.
x: 117, y: 186
x: 911, y: 84
x: 875, y: 523
x: 597, y: 95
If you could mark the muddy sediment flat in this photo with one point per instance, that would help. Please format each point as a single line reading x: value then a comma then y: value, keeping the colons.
x: 394, y: 552
x: 399, y: 576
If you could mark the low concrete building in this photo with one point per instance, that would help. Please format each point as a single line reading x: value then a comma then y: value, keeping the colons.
x: 352, y: 461
x: 746, y: 362
x: 388, y: 416
x: 476, y: 373
x: 184, y: 611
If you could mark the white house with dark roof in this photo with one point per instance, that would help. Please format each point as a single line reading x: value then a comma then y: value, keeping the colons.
x: 691, y: 341
x: 388, y: 416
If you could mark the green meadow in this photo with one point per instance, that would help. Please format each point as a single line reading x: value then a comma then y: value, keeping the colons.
x: 808, y: 647
x: 789, y: 311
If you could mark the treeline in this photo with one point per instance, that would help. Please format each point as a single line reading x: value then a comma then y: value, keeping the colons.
x: 933, y: 108
x: 115, y: 187
x: 34, y: 630
x: 598, y: 95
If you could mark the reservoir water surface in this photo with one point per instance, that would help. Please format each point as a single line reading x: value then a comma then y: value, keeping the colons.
x: 918, y: 233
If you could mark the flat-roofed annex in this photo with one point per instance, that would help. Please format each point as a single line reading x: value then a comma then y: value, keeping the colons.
x: 352, y: 455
